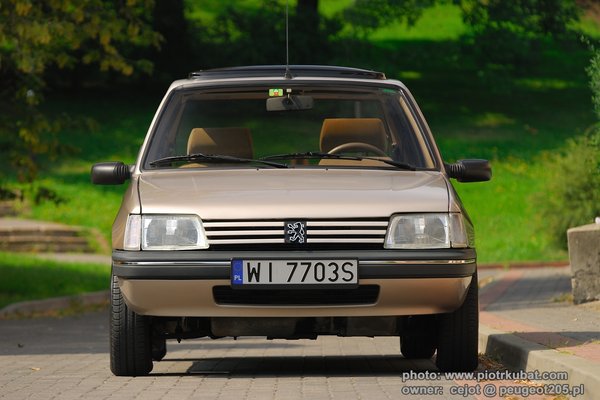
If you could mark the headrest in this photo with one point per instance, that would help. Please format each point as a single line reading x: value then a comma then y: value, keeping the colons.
x: 235, y: 142
x: 337, y: 131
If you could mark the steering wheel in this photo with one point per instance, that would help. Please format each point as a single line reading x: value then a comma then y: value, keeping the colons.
x: 357, y: 147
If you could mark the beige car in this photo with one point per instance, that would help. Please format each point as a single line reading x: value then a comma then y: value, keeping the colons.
x: 292, y: 204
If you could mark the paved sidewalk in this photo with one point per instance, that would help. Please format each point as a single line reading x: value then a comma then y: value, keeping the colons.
x: 527, y: 320
x: 33, y: 236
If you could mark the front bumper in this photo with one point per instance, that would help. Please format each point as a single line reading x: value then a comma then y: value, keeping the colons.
x: 181, y: 283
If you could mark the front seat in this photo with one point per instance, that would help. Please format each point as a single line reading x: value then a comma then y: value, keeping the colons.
x: 230, y: 141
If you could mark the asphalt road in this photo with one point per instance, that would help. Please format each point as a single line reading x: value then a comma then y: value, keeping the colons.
x: 66, y: 358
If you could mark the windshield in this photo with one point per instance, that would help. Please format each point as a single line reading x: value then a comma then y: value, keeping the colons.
x: 301, y: 126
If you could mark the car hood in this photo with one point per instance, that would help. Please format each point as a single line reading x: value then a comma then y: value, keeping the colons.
x: 291, y: 193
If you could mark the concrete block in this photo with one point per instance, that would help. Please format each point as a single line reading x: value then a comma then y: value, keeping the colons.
x: 584, y: 255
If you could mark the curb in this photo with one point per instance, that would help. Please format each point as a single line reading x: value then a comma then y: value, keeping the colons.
x: 29, y: 308
x: 519, y: 354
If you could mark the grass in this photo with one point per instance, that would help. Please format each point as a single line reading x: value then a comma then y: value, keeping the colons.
x: 30, y: 278
x: 205, y: 10
x: 428, y: 27
x: 121, y: 121
x: 515, y: 127
x: 563, y: 298
x: 506, y: 224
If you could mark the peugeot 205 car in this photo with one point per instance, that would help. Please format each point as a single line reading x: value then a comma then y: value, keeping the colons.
x: 288, y: 203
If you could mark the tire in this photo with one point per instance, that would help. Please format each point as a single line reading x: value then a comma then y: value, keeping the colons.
x: 419, y: 339
x: 159, y: 348
x: 130, y: 342
x: 459, y: 334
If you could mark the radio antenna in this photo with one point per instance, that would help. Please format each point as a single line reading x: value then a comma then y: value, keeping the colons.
x: 288, y: 74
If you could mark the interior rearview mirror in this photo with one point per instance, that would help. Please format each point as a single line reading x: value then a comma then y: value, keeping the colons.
x: 290, y: 103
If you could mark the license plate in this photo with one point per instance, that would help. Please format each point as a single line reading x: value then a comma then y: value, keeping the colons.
x: 293, y: 272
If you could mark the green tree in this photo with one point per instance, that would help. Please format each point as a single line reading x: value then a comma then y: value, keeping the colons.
x: 256, y: 35
x: 593, y: 71
x: 59, y: 34
x: 172, y: 61
x: 505, y: 35
x: 572, y: 194
x: 367, y: 15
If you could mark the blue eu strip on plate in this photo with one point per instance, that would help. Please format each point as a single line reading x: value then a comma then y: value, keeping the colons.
x: 237, y: 272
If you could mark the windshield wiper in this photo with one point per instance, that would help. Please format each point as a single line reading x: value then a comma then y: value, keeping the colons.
x: 213, y: 158
x: 320, y: 155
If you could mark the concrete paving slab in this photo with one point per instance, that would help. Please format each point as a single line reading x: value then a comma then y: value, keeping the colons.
x: 310, y: 369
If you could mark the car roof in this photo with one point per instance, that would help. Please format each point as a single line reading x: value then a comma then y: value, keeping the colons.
x: 280, y: 74
x: 281, y: 71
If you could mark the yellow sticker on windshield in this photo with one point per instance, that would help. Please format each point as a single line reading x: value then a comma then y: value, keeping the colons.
x: 275, y: 92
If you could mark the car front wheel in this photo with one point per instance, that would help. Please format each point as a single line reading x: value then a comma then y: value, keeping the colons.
x: 419, y: 338
x: 459, y: 334
x: 130, y: 341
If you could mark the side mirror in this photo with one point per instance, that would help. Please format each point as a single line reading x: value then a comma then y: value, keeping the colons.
x: 470, y: 170
x: 110, y: 173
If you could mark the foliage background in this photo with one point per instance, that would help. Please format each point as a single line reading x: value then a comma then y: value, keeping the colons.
x: 499, y: 80
x: 40, y: 40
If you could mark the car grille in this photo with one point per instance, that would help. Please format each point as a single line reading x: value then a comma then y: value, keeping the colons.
x: 364, y: 294
x: 320, y: 233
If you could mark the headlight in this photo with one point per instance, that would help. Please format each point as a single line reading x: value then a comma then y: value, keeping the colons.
x: 426, y: 231
x: 165, y: 232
